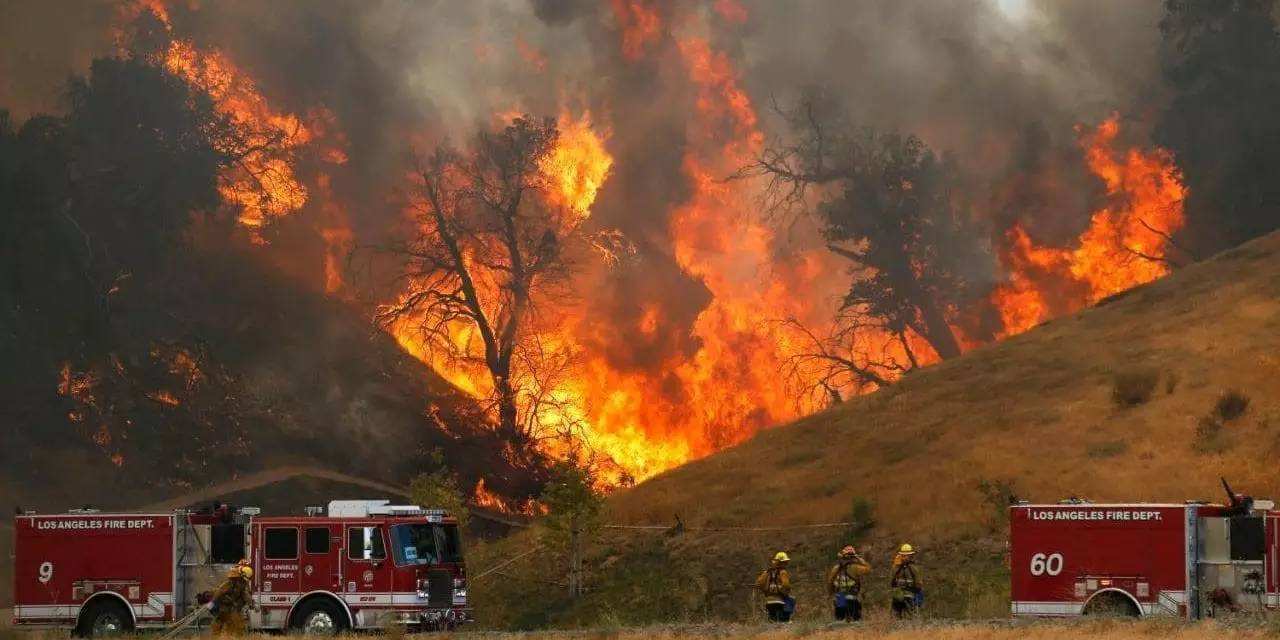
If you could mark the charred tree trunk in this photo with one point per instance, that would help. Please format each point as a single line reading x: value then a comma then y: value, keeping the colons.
x: 936, y: 331
x: 508, y: 419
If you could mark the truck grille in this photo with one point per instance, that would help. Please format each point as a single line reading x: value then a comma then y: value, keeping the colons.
x: 439, y: 589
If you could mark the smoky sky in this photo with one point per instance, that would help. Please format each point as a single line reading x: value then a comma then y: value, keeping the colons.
x: 1003, y: 93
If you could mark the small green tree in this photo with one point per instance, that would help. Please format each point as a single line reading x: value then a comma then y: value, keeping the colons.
x: 439, y: 490
x: 573, y: 515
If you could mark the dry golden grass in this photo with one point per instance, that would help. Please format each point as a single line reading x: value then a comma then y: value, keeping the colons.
x: 1110, y: 630
x: 1036, y: 412
x: 1029, y: 410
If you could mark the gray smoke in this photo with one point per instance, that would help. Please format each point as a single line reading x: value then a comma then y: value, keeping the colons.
x: 1001, y: 85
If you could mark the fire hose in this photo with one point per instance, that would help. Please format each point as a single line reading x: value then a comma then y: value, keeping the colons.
x: 186, y: 621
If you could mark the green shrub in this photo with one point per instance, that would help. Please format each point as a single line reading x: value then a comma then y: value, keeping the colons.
x: 1132, y: 388
x: 862, y: 515
x: 439, y: 490
x: 1230, y: 405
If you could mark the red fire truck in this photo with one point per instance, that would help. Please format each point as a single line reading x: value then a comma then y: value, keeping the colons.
x: 363, y: 564
x: 1188, y: 560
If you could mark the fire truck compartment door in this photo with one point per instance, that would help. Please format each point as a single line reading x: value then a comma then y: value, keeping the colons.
x: 278, y: 554
x: 367, y: 568
x: 321, y: 546
x: 1215, y: 540
x: 1231, y: 552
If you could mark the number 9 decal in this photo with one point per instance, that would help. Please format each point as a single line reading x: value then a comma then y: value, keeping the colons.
x: 46, y: 572
x: 1046, y: 565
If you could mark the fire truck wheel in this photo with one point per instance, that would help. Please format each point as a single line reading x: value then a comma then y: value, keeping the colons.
x: 103, y: 618
x: 1111, y: 604
x: 319, y: 617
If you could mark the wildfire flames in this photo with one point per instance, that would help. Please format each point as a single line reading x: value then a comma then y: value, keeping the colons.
x: 729, y: 385
x: 1125, y: 245
x: 577, y: 167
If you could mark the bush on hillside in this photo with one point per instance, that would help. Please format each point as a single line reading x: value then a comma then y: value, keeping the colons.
x: 862, y: 515
x: 997, y: 495
x: 1135, y: 387
x: 1208, y: 437
x: 1107, y: 449
x: 1230, y: 405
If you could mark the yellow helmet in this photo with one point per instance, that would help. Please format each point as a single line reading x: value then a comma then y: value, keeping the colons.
x: 906, y: 550
x: 781, y: 556
x: 246, y: 571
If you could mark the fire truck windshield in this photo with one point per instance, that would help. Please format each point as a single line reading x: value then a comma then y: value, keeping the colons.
x: 425, y: 544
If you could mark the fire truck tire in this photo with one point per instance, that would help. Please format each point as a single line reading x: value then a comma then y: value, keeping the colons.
x: 319, y: 616
x: 103, y: 617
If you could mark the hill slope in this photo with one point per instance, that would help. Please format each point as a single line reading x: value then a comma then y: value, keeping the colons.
x: 934, y: 457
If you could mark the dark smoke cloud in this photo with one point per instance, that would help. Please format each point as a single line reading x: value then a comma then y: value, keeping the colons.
x: 1000, y: 92
x: 42, y: 44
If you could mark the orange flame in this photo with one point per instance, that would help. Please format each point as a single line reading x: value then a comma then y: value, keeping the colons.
x: 641, y: 26
x: 577, y: 166
x: 164, y: 397
x: 483, y: 497
x: 574, y: 171
x: 266, y: 186
x: 1125, y: 245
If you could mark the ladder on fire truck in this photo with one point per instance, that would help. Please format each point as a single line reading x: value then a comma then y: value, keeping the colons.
x: 191, y: 552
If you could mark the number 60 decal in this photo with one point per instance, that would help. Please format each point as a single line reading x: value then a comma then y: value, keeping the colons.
x: 1046, y: 565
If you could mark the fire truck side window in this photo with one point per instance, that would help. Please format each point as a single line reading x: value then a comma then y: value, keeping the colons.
x: 318, y: 540
x: 414, y: 544
x: 280, y: 544
x: 1248, y: 539
x: 365, y: 543
x: 226, y: 543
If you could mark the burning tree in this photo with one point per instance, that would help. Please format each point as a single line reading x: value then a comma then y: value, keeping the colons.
x: 99, y: 209
x: 892, y: 207
x: 498, y: 227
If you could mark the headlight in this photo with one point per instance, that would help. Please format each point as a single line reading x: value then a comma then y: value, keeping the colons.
x: 423, y: 589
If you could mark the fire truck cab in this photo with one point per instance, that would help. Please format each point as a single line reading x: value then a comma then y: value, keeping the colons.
x: 1188, y: 560
x: 359, y: 564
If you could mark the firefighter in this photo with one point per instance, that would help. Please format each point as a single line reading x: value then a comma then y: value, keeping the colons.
x: 904, y: 585
x: 844, y: 584
x: 775, y: 584
x: 230, y: 599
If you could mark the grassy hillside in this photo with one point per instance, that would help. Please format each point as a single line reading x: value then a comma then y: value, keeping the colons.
x: 879, y: 630
x: 1115, y: 403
